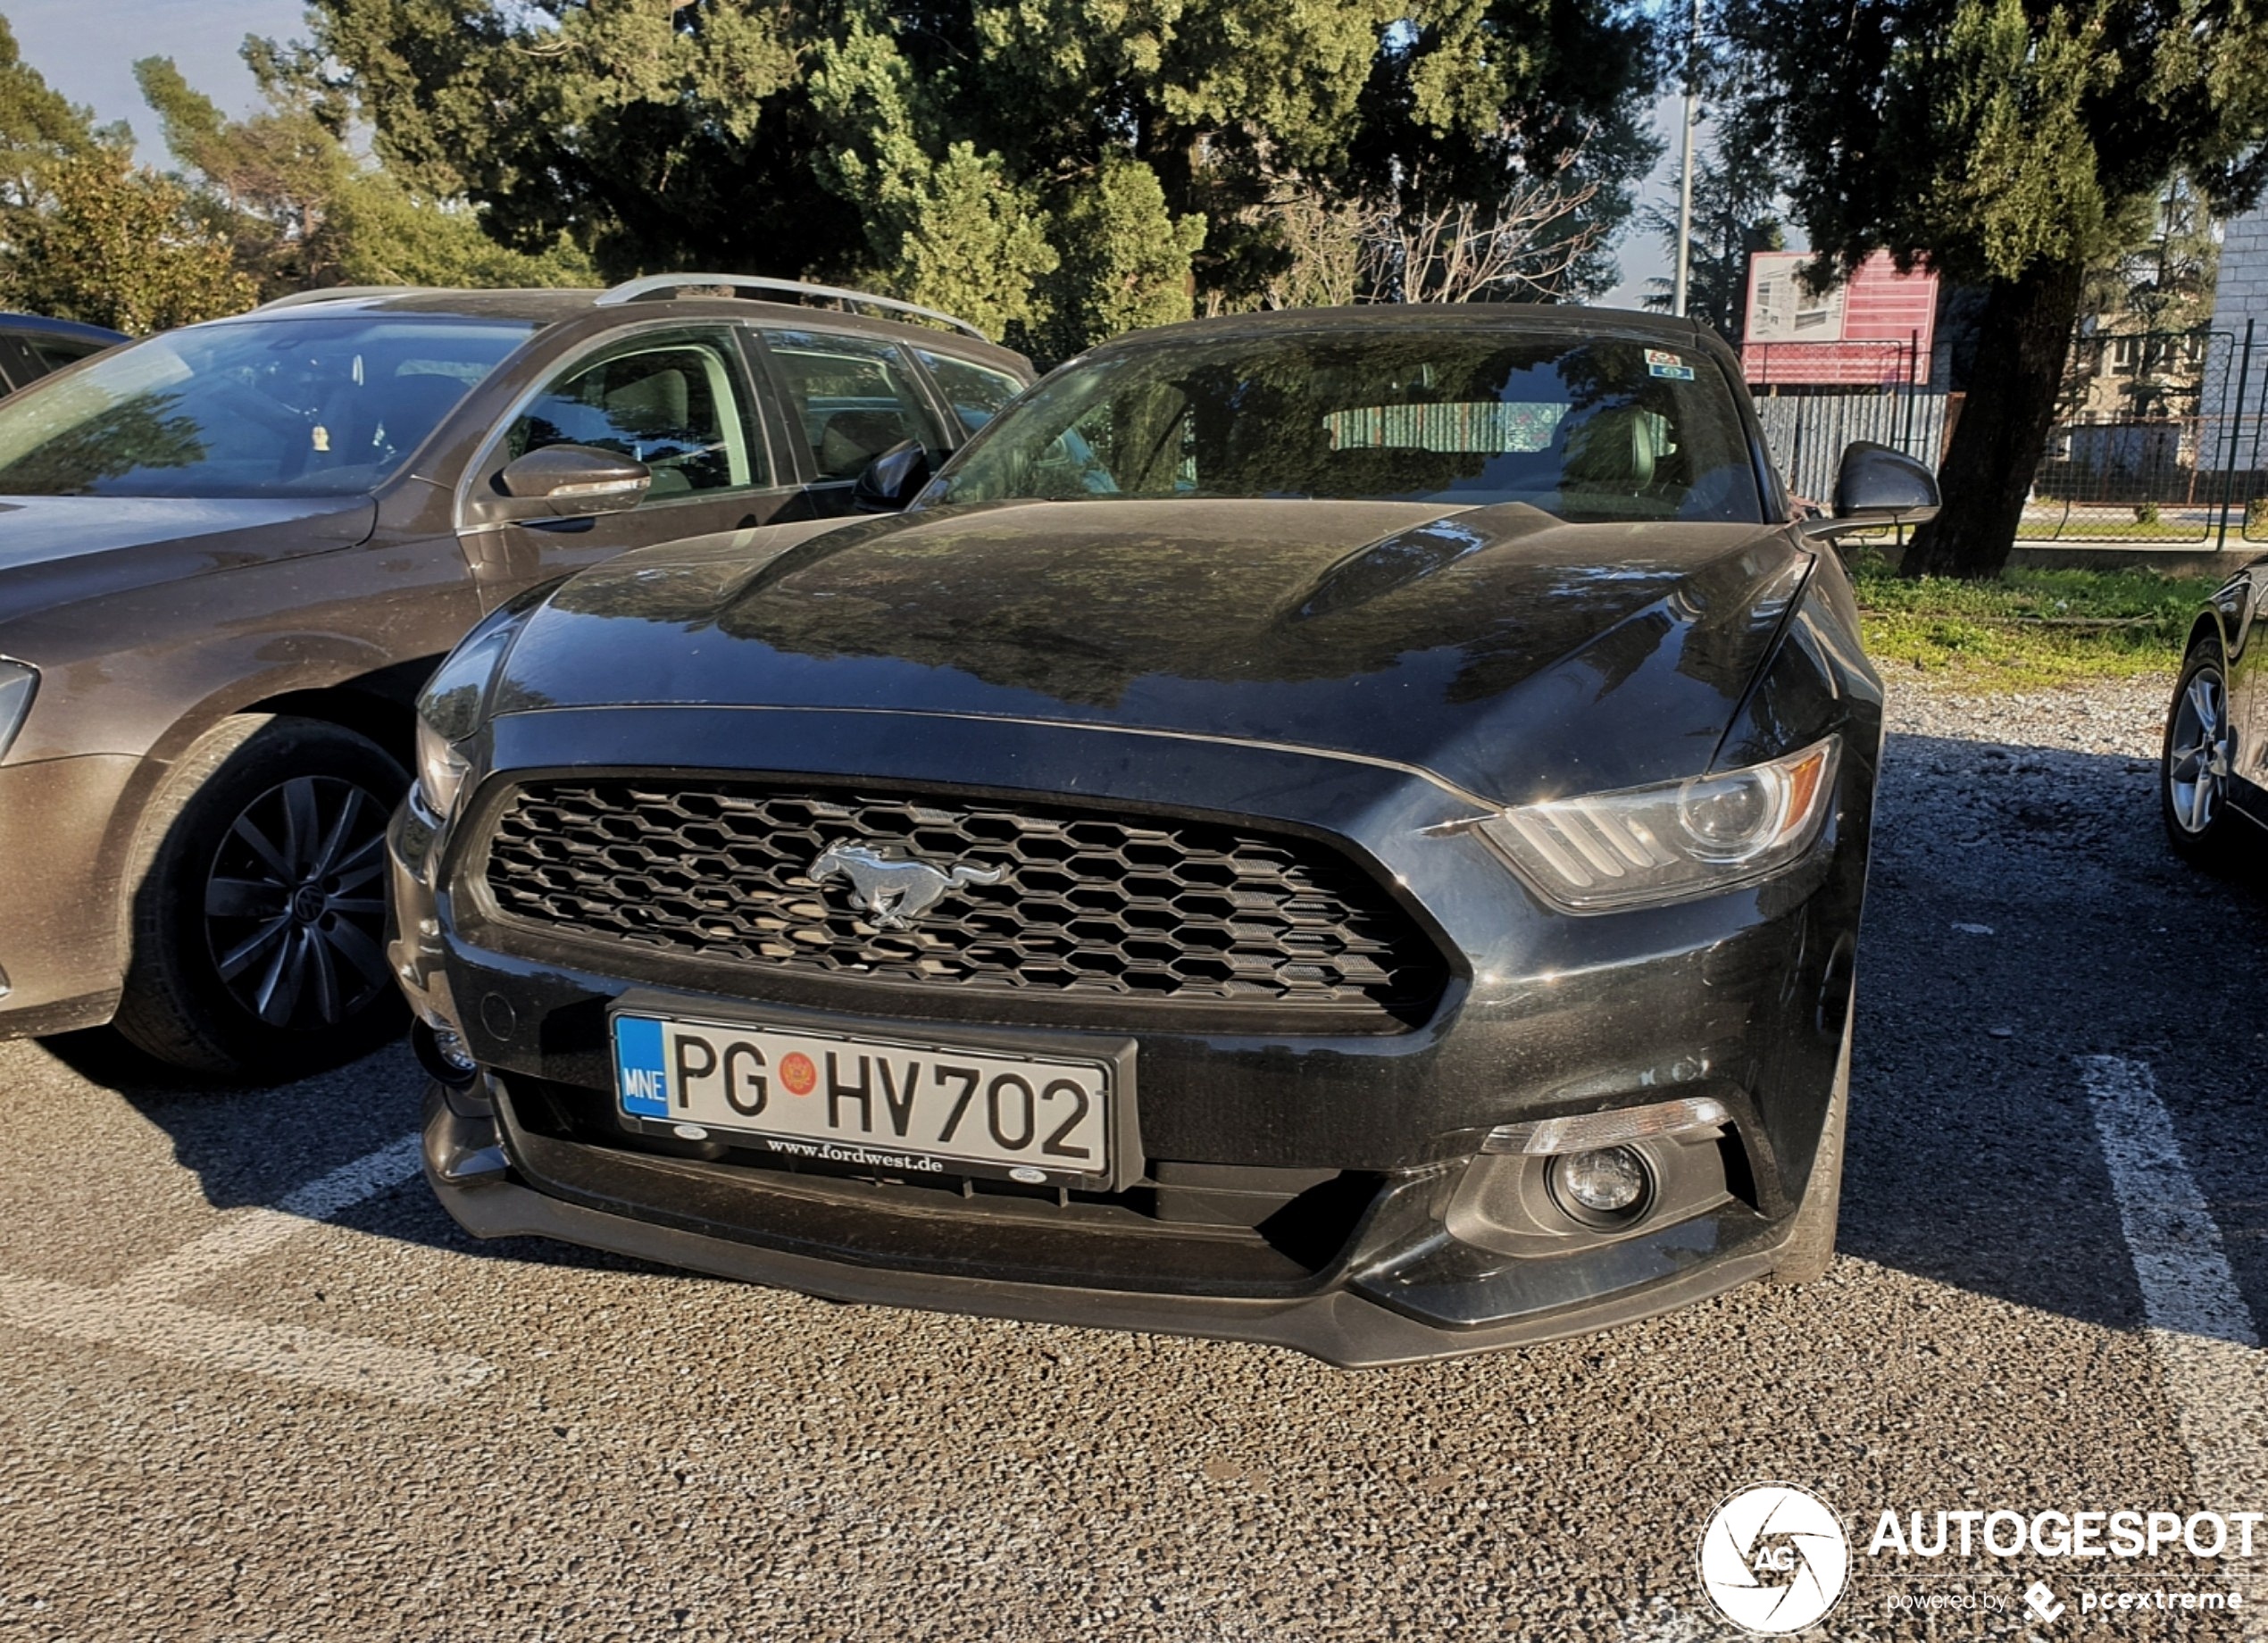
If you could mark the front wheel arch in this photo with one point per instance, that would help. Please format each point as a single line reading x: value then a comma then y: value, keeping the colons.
x: 181, y: 1003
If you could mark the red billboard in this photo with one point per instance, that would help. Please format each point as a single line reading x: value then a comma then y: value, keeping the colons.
x: 1876, y: 327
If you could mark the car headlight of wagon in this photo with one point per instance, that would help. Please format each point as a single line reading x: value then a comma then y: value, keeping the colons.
x: 18, y: 682
x: 1674, y: 840
x: 454, y: 705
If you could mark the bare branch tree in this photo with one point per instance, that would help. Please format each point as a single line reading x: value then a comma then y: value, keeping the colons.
x: 1394, y: 246
x: 1523, y: 245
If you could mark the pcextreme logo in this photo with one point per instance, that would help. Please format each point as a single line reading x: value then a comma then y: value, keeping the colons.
x: 1775, y: 1559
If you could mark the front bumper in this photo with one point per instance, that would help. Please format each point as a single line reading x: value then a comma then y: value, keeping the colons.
x: 62, y: 950
x: 1404, y: 1240
x: 468, y: 1167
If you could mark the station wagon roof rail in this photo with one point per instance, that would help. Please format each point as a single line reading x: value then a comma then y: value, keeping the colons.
x: 336, y: 294
x: 654, y: 286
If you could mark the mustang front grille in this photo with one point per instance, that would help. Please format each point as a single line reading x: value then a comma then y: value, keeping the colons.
x: 1031, y: 899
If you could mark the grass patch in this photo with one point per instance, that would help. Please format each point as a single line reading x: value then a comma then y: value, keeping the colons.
x: 2029, y: 628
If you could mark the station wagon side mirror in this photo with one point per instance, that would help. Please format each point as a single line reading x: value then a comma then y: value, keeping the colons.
x: 1877, y: 485
x: 569, y: 481
x: 892, y: 479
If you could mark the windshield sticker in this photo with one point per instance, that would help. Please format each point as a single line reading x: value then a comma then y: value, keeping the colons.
x: 1662, y: 362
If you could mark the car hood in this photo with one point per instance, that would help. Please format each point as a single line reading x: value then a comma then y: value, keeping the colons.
x: 53, y: 547
x: 1499, y: 649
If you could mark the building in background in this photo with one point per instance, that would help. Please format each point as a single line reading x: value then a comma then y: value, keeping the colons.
x: 1878, y: 327
x: 1830, y: 367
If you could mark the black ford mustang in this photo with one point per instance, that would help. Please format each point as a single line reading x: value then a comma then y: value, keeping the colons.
x: 1341, y: 827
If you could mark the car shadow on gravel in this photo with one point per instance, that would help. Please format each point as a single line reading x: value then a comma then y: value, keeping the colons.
x: 250, y: 1146
x: 2024, y: 910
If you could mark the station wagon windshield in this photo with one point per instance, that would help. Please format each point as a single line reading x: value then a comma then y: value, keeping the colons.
x: 281, y: 407
x: 1593, y: 429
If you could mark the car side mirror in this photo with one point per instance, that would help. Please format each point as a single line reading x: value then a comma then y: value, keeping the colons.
x: 569, y: 481
x: 1877, y: 485
x: 892, y: 479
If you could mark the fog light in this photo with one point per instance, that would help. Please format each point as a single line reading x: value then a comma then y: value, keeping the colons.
x: 1607, y: 1185
x: 441, y: 1050
x: 451, y: 1049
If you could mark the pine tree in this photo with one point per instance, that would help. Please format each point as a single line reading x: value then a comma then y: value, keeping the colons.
x: 1736, y: 214
x: 302, y: 210
x: 1054, y: 168
x: 86, y: 234
x: 2007, y: 144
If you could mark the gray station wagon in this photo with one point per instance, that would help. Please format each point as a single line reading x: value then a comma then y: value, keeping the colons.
x: 229, y: 556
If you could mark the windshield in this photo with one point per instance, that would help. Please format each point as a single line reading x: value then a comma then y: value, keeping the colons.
x: 282, y: 407
x: 1598, y: 428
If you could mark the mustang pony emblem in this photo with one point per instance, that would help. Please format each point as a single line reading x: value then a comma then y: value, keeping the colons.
x: 894, y: 893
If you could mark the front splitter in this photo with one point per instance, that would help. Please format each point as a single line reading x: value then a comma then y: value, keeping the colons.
x: 1341, y: 1327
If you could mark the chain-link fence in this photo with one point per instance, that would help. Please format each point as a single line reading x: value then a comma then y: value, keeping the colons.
x: 2160, y: 437
x: 2140, y: 452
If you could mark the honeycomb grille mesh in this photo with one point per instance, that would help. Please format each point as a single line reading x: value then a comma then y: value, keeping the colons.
x: 1046, y: 900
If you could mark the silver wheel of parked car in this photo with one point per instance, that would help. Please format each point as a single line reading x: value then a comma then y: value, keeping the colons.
x: 2197, y: 766
x: 2194, y: 768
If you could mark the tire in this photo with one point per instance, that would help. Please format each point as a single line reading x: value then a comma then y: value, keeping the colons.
x: 258, y: 921
x: 1810, y: 1248
x: 2194, y: 762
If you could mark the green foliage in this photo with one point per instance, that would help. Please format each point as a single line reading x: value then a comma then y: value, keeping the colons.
x: 1058, y: 169
x: 302, y: 211
x: 377, y: 232
x: 655, y: 136
x: 85, y: 234
x: 952, y: 232
x: 116, y: 245
x: 40, y: 129
x: 1735, y: 214
x: 1987, y: 136
x: 1125, y: 258
x: 2007, y: 144
x: 2014, y: 161
x: 2025, y: 626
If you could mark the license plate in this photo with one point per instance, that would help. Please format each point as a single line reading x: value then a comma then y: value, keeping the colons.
x: 918, y: 1108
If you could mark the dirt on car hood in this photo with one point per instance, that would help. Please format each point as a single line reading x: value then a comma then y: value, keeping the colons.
x: 1500, y: 649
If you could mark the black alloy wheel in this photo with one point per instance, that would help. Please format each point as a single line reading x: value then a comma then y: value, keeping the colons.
x: 259, y: 917
x: 295, y: 904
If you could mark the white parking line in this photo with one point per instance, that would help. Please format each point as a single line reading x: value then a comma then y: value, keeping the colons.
x: 2208, y: 1346
x: 139, y: 1310
x: 255, y: 1232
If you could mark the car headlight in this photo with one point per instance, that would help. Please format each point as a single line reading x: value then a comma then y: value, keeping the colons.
x: 454, y: 705
x: 1674, y: 840
x: 19, y: 682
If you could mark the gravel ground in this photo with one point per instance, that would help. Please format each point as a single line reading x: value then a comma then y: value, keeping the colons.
x: 599, y: 1450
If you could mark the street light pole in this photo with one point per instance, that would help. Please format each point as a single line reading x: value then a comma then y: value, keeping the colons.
x: 1685, y: 166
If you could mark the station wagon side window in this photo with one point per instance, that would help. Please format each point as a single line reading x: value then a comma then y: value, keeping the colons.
x: 852, y: 398
x: 678, y: 403
x: 18, y: 363
x: 976, y: 393
x: 54, y: 353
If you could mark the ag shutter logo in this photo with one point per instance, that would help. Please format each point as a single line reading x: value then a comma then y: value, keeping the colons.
x: 1774, y: 1558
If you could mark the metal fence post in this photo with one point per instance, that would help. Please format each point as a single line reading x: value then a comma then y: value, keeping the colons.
x: 2236, y: 422
x: 1913, y: 386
